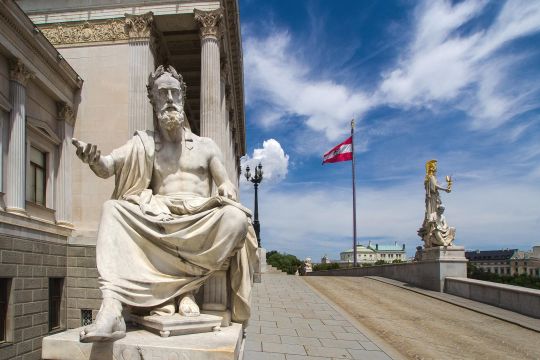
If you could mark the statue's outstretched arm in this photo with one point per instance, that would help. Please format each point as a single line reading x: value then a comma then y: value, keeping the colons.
x: 102, y: 166
x: 437, y: 186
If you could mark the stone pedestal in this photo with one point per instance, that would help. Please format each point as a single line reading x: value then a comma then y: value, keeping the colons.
x: 438, y: 263
x: 449, y: 253
x: 141, y: 344
x: 176, y: 324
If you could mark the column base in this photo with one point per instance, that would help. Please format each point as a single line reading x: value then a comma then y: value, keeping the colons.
x: 17, y: 211
x: 65, y: 224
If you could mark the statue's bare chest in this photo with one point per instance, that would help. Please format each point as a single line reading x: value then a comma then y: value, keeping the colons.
x: 171, y: 161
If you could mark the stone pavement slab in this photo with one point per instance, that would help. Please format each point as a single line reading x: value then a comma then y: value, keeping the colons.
x: 290, y: 321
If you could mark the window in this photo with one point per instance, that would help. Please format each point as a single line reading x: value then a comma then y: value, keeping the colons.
x: 86, y: 317
x: 36, y: 180
x: 5, y: 285
x: 55, y: 299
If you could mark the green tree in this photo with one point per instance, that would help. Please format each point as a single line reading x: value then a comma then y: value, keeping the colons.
x: 284, y: 262
x: 318, y: 267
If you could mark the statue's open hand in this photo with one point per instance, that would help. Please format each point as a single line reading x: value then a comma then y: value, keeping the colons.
x: 88, y: 153
x: 228, y: 190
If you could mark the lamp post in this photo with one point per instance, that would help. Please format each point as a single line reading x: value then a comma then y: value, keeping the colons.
x: 256, y: 180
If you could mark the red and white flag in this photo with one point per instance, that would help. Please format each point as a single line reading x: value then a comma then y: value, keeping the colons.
x: 341, y: 152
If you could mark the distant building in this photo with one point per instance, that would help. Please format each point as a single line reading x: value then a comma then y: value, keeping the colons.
x: 373, y: 253
x: 494, y: 261
x: 526, y: 262
x: 325, y: 260
x: 507, y: 262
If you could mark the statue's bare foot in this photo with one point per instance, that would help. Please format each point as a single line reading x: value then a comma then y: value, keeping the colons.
x: 109, y: 325
x: 188, y: 306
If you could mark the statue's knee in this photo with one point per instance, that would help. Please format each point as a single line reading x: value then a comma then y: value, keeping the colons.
x: 235, y: 217
x: 109, y: 207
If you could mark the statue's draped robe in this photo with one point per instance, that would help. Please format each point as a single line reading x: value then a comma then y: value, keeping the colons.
x: 152, y: 248
x: 447, y: 233
x: 433, y: 199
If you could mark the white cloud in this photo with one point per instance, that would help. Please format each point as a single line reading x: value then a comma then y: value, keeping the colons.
x: 273, y: 159
x: 442, y: 66
x: 281, y: 85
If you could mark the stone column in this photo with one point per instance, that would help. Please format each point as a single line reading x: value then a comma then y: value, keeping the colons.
x: 66, y: 119
x: 141, y: 63
x: 211, y: 119
x: 224, y: 137
x: 16, y: 166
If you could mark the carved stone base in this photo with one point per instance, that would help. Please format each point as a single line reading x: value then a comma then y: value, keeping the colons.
x: 444, y: 253
x: 177, y: 324
x: 140, y: 344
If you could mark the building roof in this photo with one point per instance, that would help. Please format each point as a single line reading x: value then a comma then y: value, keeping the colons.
x: 359, y: 249
x: 490, y: 254
x: 370, y: 249
x: 382, y: 247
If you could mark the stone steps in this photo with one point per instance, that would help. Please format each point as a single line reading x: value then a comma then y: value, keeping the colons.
x: 272, y: 270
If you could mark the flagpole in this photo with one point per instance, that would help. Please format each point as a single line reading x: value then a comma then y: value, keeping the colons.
x: 354, y: 194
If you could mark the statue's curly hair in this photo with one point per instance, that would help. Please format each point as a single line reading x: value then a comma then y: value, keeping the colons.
x: 161, y: 70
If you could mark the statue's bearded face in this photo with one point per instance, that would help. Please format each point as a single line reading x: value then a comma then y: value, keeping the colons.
x: 168, y: 103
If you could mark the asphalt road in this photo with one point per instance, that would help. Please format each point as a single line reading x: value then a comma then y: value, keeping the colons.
x: 420, y: 327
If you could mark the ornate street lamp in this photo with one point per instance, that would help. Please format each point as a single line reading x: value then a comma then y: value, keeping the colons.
x: 256, y: 180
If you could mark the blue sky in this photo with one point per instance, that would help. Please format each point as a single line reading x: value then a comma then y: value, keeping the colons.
x: 456, y: 81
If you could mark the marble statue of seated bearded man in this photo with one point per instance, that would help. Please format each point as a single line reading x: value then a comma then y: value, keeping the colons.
x: 163, y: 233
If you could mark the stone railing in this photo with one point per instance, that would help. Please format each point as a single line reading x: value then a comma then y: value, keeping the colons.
x: 427, y: 275
x: 515, y: 298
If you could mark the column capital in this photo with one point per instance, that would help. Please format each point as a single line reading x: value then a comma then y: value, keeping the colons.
x: 19, y: 72
x: 139, y: 26
x: 65, y: 113
x: 209, y: 21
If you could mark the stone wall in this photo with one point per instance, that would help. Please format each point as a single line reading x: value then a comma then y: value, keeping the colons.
x: 515, y: 298
x: 30, y: 264
x: 426, y: 274
x: 82, y: 283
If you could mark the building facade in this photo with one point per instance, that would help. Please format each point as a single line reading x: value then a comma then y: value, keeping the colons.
x: 39, y: 94
x: 509, y: 262
x: 50, y: 202
x: 375, y: 252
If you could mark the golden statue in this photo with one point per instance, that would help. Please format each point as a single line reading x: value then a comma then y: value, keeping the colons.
x: 435, y: 230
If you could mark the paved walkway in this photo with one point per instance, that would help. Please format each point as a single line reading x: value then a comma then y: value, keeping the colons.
x: 291, y: 322
x: 427, y: 327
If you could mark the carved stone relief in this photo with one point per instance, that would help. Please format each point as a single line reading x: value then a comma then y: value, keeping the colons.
x: 95, y: 31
